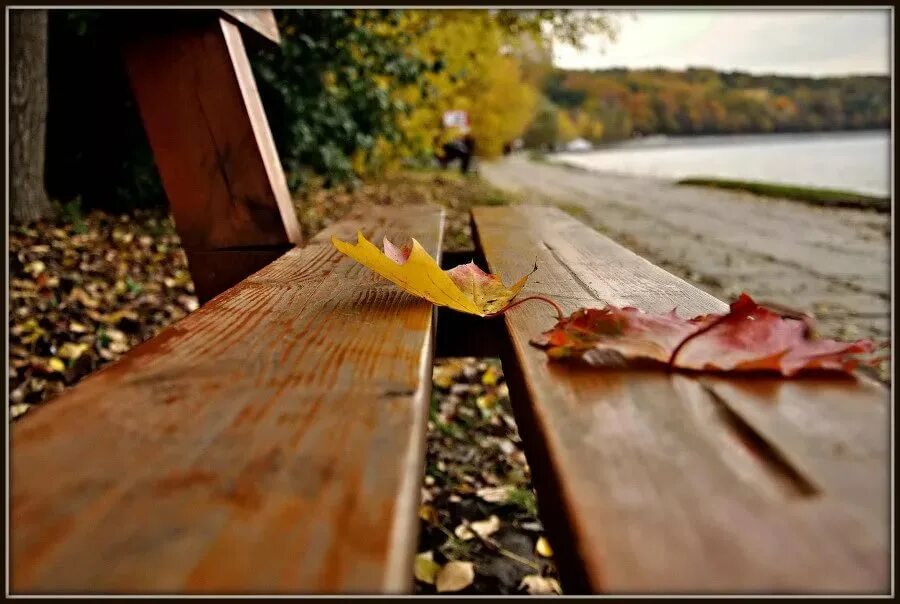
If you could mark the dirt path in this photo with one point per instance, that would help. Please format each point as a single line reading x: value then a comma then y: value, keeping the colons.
x: 833, y: 262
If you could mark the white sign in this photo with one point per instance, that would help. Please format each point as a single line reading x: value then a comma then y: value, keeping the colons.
x: 456, y: 119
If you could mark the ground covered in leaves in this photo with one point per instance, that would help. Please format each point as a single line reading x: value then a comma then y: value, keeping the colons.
x: 88, y: 286
x: 84, y: 290
x: 480, y: 529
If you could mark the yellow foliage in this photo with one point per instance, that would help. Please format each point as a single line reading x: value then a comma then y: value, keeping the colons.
x: 477, y: 76
x: 566, y: 128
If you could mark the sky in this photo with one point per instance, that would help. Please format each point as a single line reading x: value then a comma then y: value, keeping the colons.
x: 790, y: 42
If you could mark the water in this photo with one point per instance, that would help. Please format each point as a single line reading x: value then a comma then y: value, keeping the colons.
x: 849, y: 161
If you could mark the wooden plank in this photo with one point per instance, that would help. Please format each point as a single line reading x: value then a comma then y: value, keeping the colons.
x: 657, y: 482
x: 270, y: 442
x: 212, y: 145
x: 261, y: 21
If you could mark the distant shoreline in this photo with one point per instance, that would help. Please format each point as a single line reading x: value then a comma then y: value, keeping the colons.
x: 655, y: 141
x: 856, y: 161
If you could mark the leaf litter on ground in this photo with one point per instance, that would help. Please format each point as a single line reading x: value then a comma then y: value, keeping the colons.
x: 479, y: 503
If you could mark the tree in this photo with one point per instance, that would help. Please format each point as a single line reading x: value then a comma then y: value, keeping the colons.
x: 28, y: 114
x: 327, y: 89
x: 544, y: 129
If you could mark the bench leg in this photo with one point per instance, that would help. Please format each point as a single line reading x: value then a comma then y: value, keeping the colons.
x: 215, y: 154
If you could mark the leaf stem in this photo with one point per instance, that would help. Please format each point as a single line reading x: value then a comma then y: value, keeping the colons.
x: 809, y: 324
x: 702, y: 330
x: 559, y: 312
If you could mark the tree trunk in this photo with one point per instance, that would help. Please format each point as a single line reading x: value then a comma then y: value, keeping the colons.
x: 27, y: 114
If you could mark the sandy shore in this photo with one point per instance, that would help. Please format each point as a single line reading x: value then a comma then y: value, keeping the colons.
x: 832, y: 262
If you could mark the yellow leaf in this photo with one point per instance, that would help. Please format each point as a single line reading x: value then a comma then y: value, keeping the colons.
x: 76, y: 327
x: 483, y: 528
x: 465, y: 288
x: 455, y: 576
x: 428, y: 514
x: 86, y: 299
x: 56, y: 364
x: 538, y: 585
x: 543, y: 547
x: 426, y: 569
x: 486, y: 402
x: 444, y: 375
x: 491, y: 376
x: 70, y: 350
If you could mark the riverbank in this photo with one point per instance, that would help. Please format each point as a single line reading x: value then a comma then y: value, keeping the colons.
x: 829, y: 198
x: 832, y: 262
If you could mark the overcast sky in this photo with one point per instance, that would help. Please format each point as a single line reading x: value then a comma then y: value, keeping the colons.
x: 795, y: 42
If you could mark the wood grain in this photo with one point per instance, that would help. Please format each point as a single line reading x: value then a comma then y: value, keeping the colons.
x: 212, y: 144
x: 270, y: 442
x: 656, y: 482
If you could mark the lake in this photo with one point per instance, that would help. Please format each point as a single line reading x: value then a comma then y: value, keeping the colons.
x: 850, y: 161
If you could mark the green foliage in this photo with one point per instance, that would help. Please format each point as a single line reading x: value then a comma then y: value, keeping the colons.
x: 703, y: 101
x: 543, y: 132
x: 814, y: 196
x: 326, y: 90
x: 553, y: 24
x: 523, y: 499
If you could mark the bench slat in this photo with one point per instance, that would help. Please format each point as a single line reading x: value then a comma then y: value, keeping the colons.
x: 271, y: 441
x: 657, y: 482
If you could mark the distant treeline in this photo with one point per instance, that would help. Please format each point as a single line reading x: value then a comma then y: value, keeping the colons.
x: 618, y: 103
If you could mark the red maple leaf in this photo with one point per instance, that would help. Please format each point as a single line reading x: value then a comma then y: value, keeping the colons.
x: 749, y: 337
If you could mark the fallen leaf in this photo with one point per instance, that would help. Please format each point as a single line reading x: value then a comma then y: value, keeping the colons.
x: 749, y: 337
x: 543, y: 547
x: 115, y: 317
x: 482, y: 528
x: 445, y: 374
x: 540, y: 586
x: 491, y: 376
x: 455, y: 576
x: 426, y: 569
x: 486, y: 402
x: 189, y: 303
x: 71, y: 350
x: 35, y: 268
x: 465, y: 288
x: 428, y: 514
x: 56, y: 364
x: 18, y: 410
x: 84, y: 298
x: 494, y: 494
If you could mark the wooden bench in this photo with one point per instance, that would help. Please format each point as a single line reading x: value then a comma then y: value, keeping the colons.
x: 272, y: 441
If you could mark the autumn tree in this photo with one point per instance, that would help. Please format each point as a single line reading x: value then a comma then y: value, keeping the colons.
x: 27, y: 114
x: 703, y: 101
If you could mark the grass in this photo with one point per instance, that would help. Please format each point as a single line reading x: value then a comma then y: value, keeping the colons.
x: 523, y: 499
x: 813, y: 196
